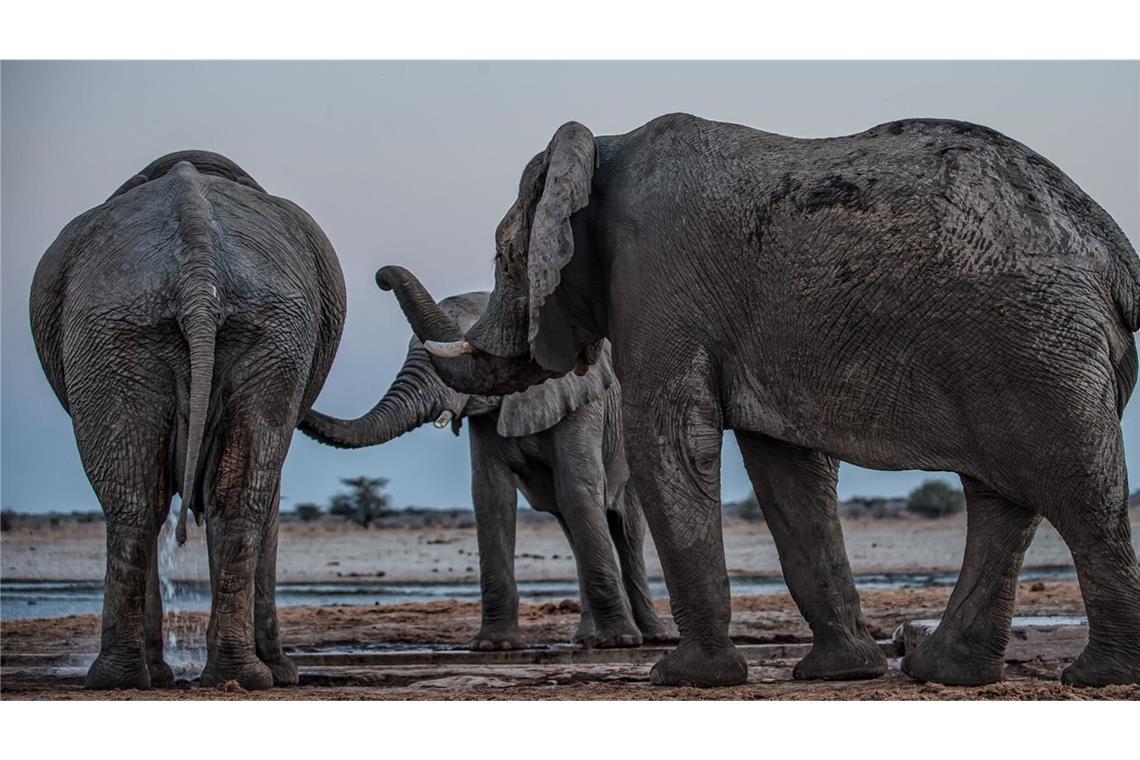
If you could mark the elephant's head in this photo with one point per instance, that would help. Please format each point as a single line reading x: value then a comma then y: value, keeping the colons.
x: 531, y: 330
x: 418, y: 395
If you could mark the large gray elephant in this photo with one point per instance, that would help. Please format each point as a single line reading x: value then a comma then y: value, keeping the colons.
x: 927, y: 294
x: 186, y: 325
x: 558, y: 442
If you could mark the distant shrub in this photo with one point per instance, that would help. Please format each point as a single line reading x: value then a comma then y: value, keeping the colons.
x: 55, y: 521
x: 309, y: 512
x: 7, y: 518
x: 750, y: 509
x: 935, y: 498
x: 364, y: 502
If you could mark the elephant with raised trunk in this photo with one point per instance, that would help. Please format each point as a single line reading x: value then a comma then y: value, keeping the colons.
x: 558, y: 442
x: 926, y: 294
x: 186, y: 325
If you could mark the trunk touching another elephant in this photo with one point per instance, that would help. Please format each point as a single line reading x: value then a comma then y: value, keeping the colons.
x: 416, y: 396
x: 428, y: 320
x: 461, y: 367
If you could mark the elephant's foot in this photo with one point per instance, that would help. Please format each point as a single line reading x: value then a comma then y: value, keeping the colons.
x: 489, y: 639
x: 1101, y: 666
x: 250, y: 673
x: 161, y: 675
x: 283, y: 669
x: 586, y: 628
x: 118, y: 672
x: 691, y: 664
x: 656, y: 633
x: 936, y: 661
x: 841, y: 660
x: 612, y: 635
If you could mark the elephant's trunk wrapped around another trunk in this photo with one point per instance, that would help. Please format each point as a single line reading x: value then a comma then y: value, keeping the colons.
x: 416, y: 396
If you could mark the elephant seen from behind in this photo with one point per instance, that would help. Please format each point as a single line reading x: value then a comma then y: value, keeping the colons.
x: 186, y: 325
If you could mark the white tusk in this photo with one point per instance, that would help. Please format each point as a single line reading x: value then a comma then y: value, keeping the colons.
x: 449, y: 349
x: 444, y: 418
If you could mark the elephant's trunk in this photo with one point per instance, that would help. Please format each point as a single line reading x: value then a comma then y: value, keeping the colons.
x: 416, y: 396
x: 428, y: 320
x: 461, y: 366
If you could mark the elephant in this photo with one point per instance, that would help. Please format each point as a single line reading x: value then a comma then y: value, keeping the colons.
x: 186, y: 325
x: 559, y: 443
x: 927, y: 294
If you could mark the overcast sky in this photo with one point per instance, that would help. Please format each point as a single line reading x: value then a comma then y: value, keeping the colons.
x: 415, y: 163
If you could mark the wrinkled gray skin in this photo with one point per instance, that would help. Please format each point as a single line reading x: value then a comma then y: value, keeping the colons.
x: 186, y: 325
x: 560, y: 444
x: 923, y: 295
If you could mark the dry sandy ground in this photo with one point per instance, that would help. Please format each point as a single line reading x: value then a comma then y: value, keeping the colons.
x: 758, y: 619
x: 330, y: 551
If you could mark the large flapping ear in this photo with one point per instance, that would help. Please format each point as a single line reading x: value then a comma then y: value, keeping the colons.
x: 570, y: 160
x: 543, y: 406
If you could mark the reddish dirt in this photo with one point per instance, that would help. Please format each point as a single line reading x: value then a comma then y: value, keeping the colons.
x: 757, y: 619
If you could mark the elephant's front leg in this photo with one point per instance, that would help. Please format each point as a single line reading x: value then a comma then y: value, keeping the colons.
x: 580, y: 482
x: 796, y: 490
x: 495, y: 501
x: 267, y: 633
x: 586, y: 629
x: 673, y: 434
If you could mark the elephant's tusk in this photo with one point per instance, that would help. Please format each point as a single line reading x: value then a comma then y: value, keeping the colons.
x: 449, y: 349
x: 444, y: 418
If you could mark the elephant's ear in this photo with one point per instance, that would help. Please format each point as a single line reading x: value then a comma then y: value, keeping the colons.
x: 570, y: 160
x: 543, y: 406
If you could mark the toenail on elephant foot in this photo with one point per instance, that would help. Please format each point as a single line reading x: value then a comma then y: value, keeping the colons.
x: 934, y: 661
x: 110, y: 672
x: 490, y: 640
x: 700, y: 666
x: 622, y: 633
x: 658, y: 634
x: 161, y: 675
x: 841, y: 661
x: 283, y: 669
x: 250, y: 675
x: 1102, y: 667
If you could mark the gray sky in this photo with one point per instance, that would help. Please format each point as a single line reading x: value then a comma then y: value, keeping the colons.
x: 415, y: 163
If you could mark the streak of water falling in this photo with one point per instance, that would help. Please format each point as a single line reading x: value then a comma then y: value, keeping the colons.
x: 185, y: 645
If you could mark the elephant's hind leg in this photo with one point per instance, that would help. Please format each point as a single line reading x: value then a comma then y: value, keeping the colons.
x: 123, y: 435
x: 968, y: 647
x: 241, y: 503
x: 1095, y: 525
x: 673, y: 444
x: 267, y: 633
x: 627, y: 529
x: 796, y: 490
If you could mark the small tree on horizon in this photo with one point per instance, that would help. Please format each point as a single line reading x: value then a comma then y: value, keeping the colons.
x: 308, y: 511
x: 363, y: 502
x: 935, y: 498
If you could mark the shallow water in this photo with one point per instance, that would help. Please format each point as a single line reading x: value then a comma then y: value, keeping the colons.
x: 22, y: 600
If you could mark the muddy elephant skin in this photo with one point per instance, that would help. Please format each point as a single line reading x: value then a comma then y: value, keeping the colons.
x: 186, y: 325
x: 926, y: 294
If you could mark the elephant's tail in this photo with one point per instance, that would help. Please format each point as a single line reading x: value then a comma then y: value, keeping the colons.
x: 200, y: 331
x: 199, y: 310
